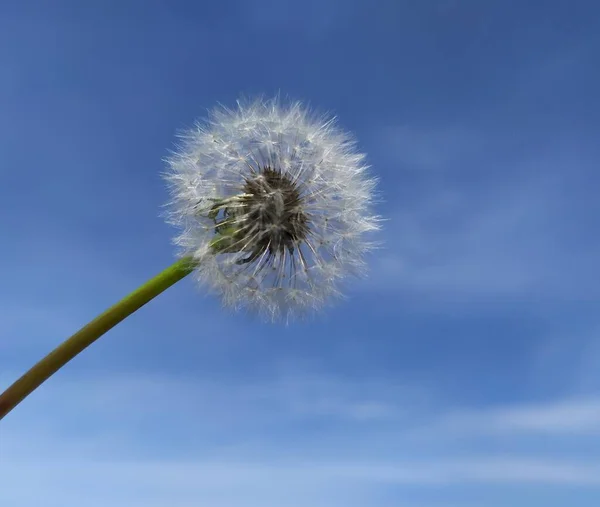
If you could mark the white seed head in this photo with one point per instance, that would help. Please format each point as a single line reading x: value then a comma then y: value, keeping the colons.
x: 274, y: 204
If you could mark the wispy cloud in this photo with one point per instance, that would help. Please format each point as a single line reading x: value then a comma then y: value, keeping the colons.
x: 210, y: 403
x: 292, y: 440
x: 253, y: 408
x: 574, y: 417
x: 85, y: 480
x: 461, y: 240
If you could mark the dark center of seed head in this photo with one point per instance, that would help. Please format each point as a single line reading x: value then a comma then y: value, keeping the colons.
x: 273, y: 206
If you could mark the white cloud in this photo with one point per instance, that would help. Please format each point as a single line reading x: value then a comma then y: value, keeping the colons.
x: 84, y: 480
x: 489, y: 249
x: 470, y: 232
x: 154, y: 440
x: 251, y: 406
x: 240, y: 404
x: 569, y: 417
x: 573, y: 349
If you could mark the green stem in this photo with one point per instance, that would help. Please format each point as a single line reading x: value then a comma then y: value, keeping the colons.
x: 88, y: 334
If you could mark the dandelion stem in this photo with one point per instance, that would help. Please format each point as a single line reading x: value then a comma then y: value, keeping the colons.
x: 88, y: 334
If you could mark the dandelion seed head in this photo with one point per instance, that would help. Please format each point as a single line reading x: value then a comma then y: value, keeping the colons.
x: 274, y: 204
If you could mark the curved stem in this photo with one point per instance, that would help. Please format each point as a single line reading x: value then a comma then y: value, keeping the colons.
x: 88, y: 334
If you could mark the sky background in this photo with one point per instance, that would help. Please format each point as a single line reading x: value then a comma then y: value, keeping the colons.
x: 464, y: 372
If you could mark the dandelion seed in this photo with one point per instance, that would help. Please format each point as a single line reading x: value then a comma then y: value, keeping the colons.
x: 274, y: 205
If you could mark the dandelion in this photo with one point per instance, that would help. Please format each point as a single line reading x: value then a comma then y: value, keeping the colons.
x: 273, y: 203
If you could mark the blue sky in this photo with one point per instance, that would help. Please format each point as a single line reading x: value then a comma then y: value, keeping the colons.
x: 463, y: 372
